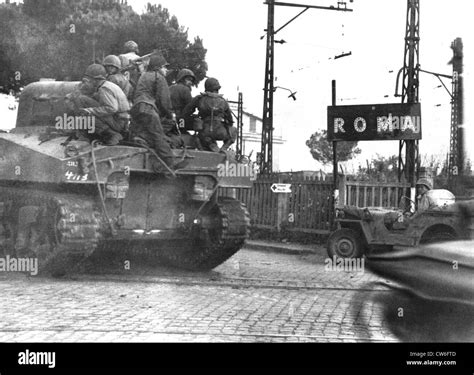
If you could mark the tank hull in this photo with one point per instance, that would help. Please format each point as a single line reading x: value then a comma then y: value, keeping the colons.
x: 62, y: 196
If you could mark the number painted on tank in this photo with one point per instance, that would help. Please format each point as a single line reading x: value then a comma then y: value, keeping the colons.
x: 75, y: 176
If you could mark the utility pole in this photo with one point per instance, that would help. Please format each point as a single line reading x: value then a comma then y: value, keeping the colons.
x: 240, y: 123
x: 240, y: 114
x: 266, y: 156
x: 456, y: 143
x: 411, y: 82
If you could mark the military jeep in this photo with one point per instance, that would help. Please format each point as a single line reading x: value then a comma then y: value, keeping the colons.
x: 361, y: 231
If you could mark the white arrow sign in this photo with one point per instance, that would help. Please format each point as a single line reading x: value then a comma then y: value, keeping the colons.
x: 281, y: 188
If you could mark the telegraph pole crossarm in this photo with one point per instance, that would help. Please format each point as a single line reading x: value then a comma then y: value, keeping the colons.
x: 339, y: 8
x: 439, y: 75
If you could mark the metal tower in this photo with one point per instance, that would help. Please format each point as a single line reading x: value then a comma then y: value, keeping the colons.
x: 266, y: 160
x: 410, y: 85
x: 240, y: 125
x: 456, y: 144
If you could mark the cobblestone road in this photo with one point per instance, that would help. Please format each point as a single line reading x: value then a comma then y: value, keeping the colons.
x: 254, y: 297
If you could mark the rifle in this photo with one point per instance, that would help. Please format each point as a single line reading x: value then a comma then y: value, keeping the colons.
x: 137, y: 61
x: 52, y: 133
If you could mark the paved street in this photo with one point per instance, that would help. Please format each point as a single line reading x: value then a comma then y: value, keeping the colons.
x: 255, y: 296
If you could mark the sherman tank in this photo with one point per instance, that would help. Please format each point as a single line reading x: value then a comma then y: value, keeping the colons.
x: 62, y: 198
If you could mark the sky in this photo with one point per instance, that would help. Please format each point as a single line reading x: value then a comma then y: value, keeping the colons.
x: 374, y: 32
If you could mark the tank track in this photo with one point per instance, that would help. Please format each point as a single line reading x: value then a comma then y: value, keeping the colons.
x: 235, y: 230
x: 206, y: 253
x: 71, y: 223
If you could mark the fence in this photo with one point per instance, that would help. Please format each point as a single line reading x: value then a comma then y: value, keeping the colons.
x: 307, y: 209
x: 371, y: 194
x: 309, y: 206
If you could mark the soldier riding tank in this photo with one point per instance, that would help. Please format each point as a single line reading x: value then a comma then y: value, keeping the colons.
x: 60, y: 198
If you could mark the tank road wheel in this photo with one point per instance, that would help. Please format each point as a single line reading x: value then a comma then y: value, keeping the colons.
x: 39, y: 238
x: 57, y: 229
x: 213, y: 246
x: 8, y: 239
x: 38, y: 232
x: 345, y: 243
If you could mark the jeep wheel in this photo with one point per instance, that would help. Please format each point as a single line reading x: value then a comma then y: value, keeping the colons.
x: 345, y: 243
x: 435, y: 236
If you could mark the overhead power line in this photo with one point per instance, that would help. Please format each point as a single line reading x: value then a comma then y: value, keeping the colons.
x: 266, y: 156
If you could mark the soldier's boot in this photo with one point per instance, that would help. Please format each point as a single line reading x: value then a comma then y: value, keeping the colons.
x: 214, y: 147
x: 140, y: 141
x: 226, y: 145
x: 112, y: 138
x: 82, y: 136
x: 208, y: 143
x: 179, y: 165
x: 197, y: 142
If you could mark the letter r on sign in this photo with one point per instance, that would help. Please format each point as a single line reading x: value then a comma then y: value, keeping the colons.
x: 338, y: 125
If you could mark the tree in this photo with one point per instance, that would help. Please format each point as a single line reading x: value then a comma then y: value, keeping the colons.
x: 48, y: 12
x: 24, y: 42
x: 321, y: 148
x: 468, y: 168
x: 381, y: 168
x: 67, y: 36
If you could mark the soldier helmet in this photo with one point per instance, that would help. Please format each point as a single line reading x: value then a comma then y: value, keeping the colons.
x: 183, y: 73
x: 112, y: 60
x: 96, y: 71
x: 157, y: 61
x: 212, y: 84
x: 130, y: 46
x: 426, y: 182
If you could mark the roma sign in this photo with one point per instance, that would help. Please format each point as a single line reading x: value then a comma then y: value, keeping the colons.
x: 374, y: 122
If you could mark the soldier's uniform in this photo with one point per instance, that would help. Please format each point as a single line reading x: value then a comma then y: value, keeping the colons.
x: 216, y: 117
x: 113, y: 66
x: 129, y: 62
x: 112, y: 112
x: 121, y: 81
x: 181, y: 96
x: 424, y: 200
x: 105, y: 101
x: 152, y: 89
x: 152, y: 103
